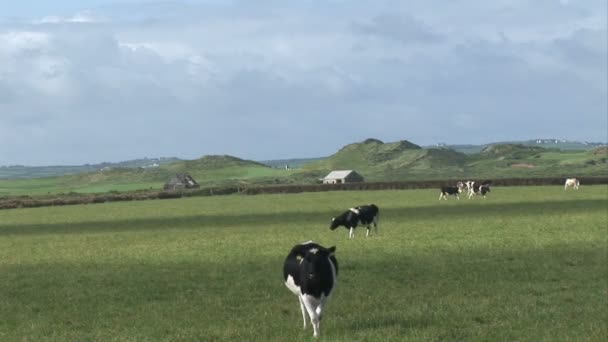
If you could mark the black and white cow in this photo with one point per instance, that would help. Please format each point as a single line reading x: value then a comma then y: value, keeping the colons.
x: 449, y: 190
x: 310, y: 272
x: 479, y: 189
x: 365, y: 214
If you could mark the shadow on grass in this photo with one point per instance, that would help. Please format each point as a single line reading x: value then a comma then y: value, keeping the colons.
x: 469, y: 209
x: 162, y: 301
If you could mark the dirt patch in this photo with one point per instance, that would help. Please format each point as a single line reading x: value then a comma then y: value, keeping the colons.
x: 523, y: 166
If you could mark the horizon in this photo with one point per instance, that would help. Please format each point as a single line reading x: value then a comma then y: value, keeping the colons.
x: 438, y: 144
x: 268, y: 80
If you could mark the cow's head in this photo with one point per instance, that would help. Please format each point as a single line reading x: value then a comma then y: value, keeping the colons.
x: 316, y: 260
x: 334, y: 223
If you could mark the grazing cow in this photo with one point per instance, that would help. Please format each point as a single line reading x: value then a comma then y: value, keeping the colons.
x: 310, y: 271
x: 350, y: 219
x: 449, y: 190
x: 479, y: 189
x: 572, y: 183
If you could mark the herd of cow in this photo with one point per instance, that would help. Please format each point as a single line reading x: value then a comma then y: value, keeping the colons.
x: 471, y: 187
x: 310, y: 270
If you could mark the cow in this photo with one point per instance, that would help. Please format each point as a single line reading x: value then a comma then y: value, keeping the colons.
x: 449, y: 190
x: 310, y: 271
x: 365, y: 214
x: 572, y: 183
x: 479, y: 189
x: 469, y: 184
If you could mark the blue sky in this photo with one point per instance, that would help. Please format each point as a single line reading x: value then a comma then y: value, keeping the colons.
x: 90, y: 81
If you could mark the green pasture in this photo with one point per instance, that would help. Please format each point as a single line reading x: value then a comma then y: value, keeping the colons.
x: 136, y: 179
x: 524, y: 264
x: 55, y: 185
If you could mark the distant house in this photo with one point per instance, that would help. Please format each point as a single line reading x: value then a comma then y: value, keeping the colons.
x: 181, y: 181
x: 342, y: 176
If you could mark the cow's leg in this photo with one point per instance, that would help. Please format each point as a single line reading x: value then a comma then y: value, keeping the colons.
x: 319, y: 309
x: 312, y: 304
x: 351, y: 233
x: 367, y: 231
x: 440, y: 196
x: 303, y: 308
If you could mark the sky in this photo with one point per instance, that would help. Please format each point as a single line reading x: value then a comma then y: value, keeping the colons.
x: 88, y: 81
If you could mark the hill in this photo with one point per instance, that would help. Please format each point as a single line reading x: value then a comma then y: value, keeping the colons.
x: 207, y: 171
x: 23, y: 172
x: 372, y: 158
x: 290, y: 163
x: 517, y: 160
x: 563, y: 145
x: 379, y: 161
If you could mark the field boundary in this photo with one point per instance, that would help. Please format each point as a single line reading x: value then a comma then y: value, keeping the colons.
x: 78, y: 198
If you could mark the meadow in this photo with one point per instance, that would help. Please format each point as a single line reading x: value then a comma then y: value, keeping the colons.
x: 523, y: 264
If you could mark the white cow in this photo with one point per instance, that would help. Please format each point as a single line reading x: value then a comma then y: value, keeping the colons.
x: 469, y: 185
x: 572, y: 183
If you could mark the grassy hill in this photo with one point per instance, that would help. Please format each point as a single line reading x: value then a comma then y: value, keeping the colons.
x: 372, y: 158
x: 562, y: 145
x: 378, y: 161
x: 207, y: 171
x: 513, y: 160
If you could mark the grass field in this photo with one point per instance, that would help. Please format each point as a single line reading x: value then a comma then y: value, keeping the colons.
x: 524, y: 264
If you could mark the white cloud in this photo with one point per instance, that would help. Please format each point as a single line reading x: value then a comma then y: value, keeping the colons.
x: 15, y: 42
x: 82, y: 17
x: 257, y: 81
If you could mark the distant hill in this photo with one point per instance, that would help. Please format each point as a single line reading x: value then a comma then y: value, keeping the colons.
x: 379, y: 161
x: 563, y: 145
x: 23, y: 172
x: 290, y: 163
x: 372, y: 158
x: 207, y: 171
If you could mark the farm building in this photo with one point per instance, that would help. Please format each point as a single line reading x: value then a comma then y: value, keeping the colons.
x: 181, y: 181
x: 342, y: 176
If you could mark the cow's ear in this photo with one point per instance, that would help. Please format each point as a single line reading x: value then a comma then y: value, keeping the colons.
x: 331, y: 250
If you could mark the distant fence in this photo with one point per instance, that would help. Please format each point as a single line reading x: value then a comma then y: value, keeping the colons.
x: 75, y: 198
x: 405, y: 185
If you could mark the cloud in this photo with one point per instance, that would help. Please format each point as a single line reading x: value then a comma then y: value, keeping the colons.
x: 285, y: 80
x: 82, y: 17
x: 16, y: 42
x: 405, y: 29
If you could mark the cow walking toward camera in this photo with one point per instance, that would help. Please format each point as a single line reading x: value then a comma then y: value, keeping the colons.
x: 572, y: 183
x: 310, y: 271
x: 350, y: 219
